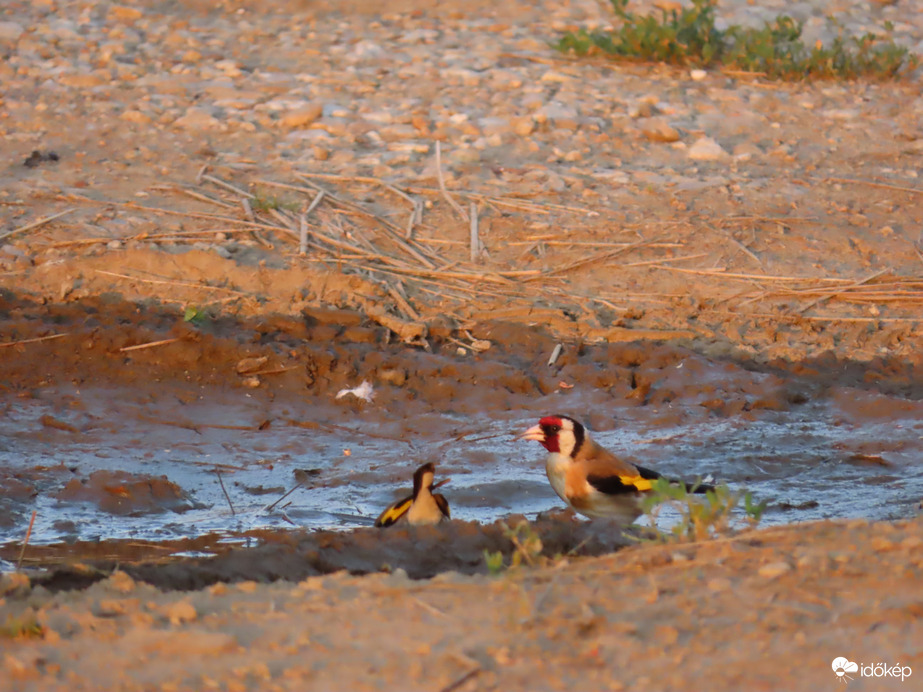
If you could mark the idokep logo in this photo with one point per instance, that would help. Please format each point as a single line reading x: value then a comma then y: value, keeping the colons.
x: 843, y: 666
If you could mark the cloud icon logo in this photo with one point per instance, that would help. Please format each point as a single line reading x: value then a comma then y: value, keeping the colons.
x: 842, y: 665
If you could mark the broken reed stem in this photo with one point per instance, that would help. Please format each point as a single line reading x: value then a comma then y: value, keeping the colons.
x: 442, y: 188
x: 525, y: 205
x: 790, y: 317
x: 475, y: 240
x: 872, y: 183
x: 35, y: 340
x: 268, y: 508
x: 416, y: 217
x: 645, y: 263
x: 225, y: 491
x: 317, y: 200
x: 179, y: 236
x: 192, y: 215
x: 274, y: 371
x: 402, y: 302
x: 150, y: 344
x: 400, y: 193
x: 367, y: 180
x: 25, y: 542
x: 202, y: 198
x: 743, y: 248
x: 172, y: 283
x: 471, y: 277
x: 283, y: 218
x: 456, y: 684
x: 248, y: 210
x: 586, y: 261
x: 227, y: 186
x: 547, y: 240
x: 396, y: 232
x: 720, y: 272
x: 36, y: 224
x: 303, y: 239
x: 555, y: 354
x: 410, y: 222
x: 303, y: 235
x: 342, y: 245
x: 844, y: 288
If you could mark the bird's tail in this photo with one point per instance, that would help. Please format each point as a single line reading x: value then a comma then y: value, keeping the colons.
x: 698, y: 487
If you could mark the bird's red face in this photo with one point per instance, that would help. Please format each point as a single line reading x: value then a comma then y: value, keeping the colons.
x: 555, y: 433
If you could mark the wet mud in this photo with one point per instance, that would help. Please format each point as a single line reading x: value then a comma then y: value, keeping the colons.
x: 125, y: 425
x: 419, y: 552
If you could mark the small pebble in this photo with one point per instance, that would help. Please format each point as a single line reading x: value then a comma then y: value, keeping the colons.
x: 774, y: 569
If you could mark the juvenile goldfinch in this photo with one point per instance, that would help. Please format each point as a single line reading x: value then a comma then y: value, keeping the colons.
x: 423, y: 506
x: 590, y: 478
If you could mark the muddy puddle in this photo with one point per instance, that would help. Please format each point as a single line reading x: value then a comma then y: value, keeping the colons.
x: 171, y: 442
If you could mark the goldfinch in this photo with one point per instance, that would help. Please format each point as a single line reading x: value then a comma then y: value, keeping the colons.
x: 590, y: 478
x: 423, y: 506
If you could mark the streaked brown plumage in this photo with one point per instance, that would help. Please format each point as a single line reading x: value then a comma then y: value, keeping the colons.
x: 590, y: 478
x: 420, y: 508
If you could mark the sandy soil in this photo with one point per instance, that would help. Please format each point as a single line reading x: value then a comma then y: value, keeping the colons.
x: 793, y: 250
x: 760, y: 611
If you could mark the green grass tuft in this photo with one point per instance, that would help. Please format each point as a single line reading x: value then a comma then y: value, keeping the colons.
x: 702, y: 516
x: 527, y: 549
x: 265, y: 202
x: 21, y: 628
x: 689, y: 37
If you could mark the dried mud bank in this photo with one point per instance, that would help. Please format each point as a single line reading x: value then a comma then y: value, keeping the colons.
x: 98, y: 338
x: 797, y: 234
x: 762, y: 611
x: 418, y: 552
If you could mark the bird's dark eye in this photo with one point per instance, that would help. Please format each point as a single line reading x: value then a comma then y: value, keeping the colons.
x: 554, y: 429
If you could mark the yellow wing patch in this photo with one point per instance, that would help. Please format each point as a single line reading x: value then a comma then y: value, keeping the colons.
x: 394, y: 512
x: 638, y: 482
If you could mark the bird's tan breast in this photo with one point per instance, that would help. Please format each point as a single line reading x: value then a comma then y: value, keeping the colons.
x: 424, y: 510
x: 576, y: 487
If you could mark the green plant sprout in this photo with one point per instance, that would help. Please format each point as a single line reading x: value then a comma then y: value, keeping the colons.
x: 698, y: 520
x: 689, y: 37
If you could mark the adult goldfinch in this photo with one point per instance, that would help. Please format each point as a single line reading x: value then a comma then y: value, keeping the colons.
x: 590, y: 478
x: 423, y: 506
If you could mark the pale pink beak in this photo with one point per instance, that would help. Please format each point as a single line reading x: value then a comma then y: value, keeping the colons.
x: 534, y: 433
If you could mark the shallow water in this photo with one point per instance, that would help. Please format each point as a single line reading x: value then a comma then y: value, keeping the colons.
x: 832, y: 457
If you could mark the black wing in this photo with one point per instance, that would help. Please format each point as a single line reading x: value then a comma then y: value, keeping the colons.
x: 649, y: 474
x: 443, y: 505
x: 394, y: 512
x: 619, y: 485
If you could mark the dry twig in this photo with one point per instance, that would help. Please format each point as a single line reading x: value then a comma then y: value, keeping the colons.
x: 150, y: 344
x: 36, y: 224
x: 225, y: 491
x: 475, y: 240
x: 171, y: 283
x: 844, y: 288
x: 872, y: 183
x: 25, y: 542
x: 33, y: 341
x: 442, y: 189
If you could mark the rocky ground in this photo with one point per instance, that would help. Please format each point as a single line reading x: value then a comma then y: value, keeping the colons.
x: 170, y: 152
x: 779, y: 218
